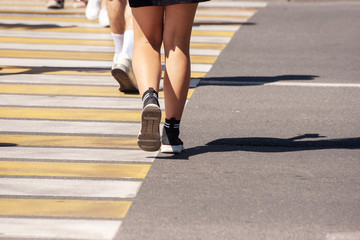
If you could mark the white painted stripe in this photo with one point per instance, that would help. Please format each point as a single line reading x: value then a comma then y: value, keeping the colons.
x: 85, y: 48
x: 201, y: 11
x: 68, y: 188
x: 58, y: 229
x: 230, y: 28
x: 299, y: 84
x: 77, y: 154
x: 56, y: 35
x: 52, y: 22
x: 209, y: 39
x: 57, y: 47
x: 343, y: 236
x: 68, y: 127
x: 71, y: 101
x: 40, y: 8
x: 233, y: 4
x: 286, y: 84
x: 29, y: 62
x: 59, y: 79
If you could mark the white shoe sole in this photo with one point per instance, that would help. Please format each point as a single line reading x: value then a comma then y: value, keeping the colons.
x: 149, y: 136
x: 172, y: 149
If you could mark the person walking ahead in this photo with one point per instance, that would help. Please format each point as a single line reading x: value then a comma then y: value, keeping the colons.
x: 168, y: 22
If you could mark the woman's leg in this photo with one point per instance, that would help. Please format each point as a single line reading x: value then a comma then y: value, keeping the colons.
x: 177, y: 32
x: 148, y: 27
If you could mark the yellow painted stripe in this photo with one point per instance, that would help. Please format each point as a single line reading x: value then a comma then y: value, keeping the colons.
x: 99, y: 56
x: 59, y: 71
x: 70, y: 141
x: 200, y: 10
x: 198, y: 74
x: 57, y: 55
x: 64, y: 208
x: 213, y: 33
x: 70, y: 114
x: 70, y: 169
x: 218, y: 46
x: 101, y: 91
x: 62, y: 90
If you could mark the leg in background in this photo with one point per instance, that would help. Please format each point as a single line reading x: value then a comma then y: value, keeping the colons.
x: 121, y: 27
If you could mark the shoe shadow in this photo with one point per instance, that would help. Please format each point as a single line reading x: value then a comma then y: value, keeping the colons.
x: 305, y: 142
x: 252, y: 80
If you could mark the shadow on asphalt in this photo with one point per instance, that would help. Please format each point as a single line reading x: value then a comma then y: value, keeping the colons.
x: 8, y: 144
x: 30, y: 26
x: 268, y: 145
x: 253, y: 80
x: 40, y: 70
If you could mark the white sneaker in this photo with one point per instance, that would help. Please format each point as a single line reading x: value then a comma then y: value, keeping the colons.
x: 104, y: 17
x: 93, y: 9
x: 123, y: 73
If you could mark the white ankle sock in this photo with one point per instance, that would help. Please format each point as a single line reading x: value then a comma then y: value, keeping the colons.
x: 128, y: 46
x: 118, y: 42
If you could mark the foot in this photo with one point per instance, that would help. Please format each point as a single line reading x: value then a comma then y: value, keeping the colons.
x: 104, y: 18
x: 93, y: 9
x: 55, y: 4
x: 149, y: 135
x: 123, y: 73
x: 171, y: 143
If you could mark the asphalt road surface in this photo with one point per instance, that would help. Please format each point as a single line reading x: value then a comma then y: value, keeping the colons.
x: 272, y: 137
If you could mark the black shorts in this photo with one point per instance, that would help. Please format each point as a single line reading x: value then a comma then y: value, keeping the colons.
x: 144, y: 3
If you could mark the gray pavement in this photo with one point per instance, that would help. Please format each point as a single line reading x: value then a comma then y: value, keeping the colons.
x: 272, y: 137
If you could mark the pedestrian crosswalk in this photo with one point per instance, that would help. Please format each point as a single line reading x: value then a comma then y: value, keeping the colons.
x: 69, y: 162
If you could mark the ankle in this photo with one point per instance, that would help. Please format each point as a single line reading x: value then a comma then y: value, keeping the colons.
x: 150, y: 97
x: 172, y: 124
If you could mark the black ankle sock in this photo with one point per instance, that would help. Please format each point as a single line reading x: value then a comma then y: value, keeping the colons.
x: 150, y: 97
x: 172, y: 123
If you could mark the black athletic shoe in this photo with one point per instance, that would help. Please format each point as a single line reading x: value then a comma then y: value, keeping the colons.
x: 171, y: 143
x: 149, y: 135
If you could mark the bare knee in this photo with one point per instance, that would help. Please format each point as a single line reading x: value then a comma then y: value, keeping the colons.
x: 175, y: 41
